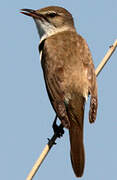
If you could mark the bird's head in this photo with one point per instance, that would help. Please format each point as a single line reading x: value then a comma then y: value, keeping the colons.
x: 51, y: 20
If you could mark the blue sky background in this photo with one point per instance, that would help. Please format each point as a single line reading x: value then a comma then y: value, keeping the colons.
x: 26, y: 115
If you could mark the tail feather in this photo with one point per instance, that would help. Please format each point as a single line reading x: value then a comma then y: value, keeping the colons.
x: 76, y: 117
x: 77, y: 149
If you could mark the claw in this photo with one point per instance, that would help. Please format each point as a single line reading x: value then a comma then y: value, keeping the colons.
x: 58, y: 130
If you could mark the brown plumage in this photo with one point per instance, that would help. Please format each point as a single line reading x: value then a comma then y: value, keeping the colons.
x: 69, y: 74
x: 69, y: 78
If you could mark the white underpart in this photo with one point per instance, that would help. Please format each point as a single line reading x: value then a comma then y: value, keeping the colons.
x: 46, y: 29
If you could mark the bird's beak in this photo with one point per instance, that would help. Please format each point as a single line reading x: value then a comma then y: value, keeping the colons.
x: 31, y: 12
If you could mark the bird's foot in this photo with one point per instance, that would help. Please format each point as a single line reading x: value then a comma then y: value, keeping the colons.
x: 58, y: 129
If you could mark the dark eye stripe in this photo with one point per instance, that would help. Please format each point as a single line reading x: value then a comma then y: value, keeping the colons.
x: 52, y: 14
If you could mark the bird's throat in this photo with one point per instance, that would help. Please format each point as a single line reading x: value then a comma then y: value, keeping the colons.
x: 45, y: 29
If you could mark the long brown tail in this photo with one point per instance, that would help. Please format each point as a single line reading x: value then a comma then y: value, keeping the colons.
x: 77, y: 149
x: 76, y: 138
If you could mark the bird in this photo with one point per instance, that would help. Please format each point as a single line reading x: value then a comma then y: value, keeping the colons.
x: 69, y: 74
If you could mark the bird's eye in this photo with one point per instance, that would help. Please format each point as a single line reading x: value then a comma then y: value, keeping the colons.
x: 52, y: 15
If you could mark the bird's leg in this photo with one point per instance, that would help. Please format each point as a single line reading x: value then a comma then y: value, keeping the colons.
x: 58, y: 130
